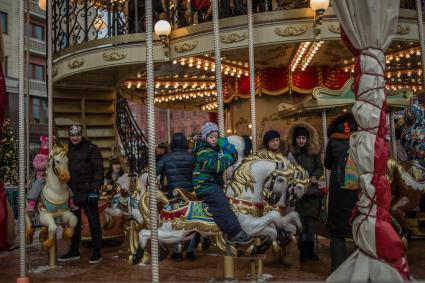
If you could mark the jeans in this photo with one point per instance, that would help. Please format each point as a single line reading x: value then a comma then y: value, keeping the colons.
x: 92, y: 213
x: 308, y: 229
x: 190, y: 246
x: 36, y: 188
x: 338, y: 252
x: 220, y: 209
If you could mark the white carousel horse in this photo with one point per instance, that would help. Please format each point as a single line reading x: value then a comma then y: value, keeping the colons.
x: 243, y: 146
x: 54, y: 198
x: 257, y: 186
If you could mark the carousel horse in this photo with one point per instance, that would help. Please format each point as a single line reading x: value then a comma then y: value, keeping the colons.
x: 53, y: 200
x: 408, y: 184
x: 258, y: 184
x: 243, y: 146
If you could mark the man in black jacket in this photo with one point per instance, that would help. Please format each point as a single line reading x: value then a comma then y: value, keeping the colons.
x: 86, y: 169
x: 177, y: 166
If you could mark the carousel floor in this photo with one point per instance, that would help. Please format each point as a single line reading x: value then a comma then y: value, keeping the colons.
x: 206, y: 268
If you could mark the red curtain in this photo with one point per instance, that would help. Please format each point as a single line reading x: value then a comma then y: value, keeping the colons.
x: 276, y: 81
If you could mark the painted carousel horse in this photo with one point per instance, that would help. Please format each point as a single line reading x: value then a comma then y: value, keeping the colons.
x: 243, y: 146
x: 257, y: 186
x: 53, y: 200
x: 408, y: 185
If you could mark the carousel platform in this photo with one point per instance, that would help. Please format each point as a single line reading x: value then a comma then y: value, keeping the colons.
x: 208, y: 267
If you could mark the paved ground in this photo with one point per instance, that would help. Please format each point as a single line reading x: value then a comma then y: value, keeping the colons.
x: 207, y: 268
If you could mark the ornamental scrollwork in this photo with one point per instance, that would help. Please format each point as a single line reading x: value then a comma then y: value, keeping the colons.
x: 233, y: 37
x: 291, y: 30
x: 77, y: 63
x: 334, y: 28
x: 187, y: 46
x: 114, y: 56
x: 54, y: 72
x: 402, y: 30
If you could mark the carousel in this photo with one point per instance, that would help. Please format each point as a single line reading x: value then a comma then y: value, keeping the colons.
x: 360, y: 64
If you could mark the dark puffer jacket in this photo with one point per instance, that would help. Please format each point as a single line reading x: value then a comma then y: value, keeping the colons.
x: 177, y: 165
x: 341, y: 202
x: 86, y: 169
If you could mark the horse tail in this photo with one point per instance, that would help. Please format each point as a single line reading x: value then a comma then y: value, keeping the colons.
x: 247, y: 145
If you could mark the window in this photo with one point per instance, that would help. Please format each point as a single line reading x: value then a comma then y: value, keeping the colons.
x: 37, y: 32
x: 36, y: 72
x: 36, y: 110
x: 39, y: 110
x: 3, y: 22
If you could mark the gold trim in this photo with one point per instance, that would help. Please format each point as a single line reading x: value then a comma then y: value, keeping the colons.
x: 187, y: 46
x: 402, y: 30
x: 233, y: 37
x: 291, y: 30
x: 77, y: 63
x: 334, y: 29
x: 114, y: 56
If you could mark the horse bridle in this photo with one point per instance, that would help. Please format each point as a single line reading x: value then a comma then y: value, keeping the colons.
x: 268, y: 190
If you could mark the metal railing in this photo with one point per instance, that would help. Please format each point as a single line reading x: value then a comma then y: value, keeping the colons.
x: 80, y: 21
x: 132, y: 138
x: 37, y: 46
x: 37, y: 87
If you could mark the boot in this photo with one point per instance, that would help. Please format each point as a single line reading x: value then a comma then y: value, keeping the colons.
x: 311, y: 255
x: 286, y: 255
x: 303, y: 252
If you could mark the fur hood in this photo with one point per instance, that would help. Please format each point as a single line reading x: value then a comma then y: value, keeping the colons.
x: 313, y: 141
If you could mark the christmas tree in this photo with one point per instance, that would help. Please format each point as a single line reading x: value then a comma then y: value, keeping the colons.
x: 8, y: 155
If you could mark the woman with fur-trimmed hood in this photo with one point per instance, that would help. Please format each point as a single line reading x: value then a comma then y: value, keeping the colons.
x: 303, y: 143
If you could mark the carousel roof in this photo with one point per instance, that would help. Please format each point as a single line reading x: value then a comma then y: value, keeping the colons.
x: 340, y: 100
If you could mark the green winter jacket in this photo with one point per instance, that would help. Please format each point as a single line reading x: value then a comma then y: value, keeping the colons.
x: 210, y: 163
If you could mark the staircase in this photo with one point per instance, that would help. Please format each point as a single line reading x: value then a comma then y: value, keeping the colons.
x: 132, y: 138
x: 94, y: 110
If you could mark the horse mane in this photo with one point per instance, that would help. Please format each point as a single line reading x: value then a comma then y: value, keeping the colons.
x: 242, y: 176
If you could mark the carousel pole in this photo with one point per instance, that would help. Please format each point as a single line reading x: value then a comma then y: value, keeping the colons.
x: 53, y: 249
x: 218, y: 77
x: 421, y: 37
x: 252, y: 76
x: 21, y: 144
x: 325, y: 141
x: 393, y: 137
x: 151, y: 141
x: 229, y: 269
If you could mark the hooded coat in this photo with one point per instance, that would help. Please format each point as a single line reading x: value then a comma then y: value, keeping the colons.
x: 341, y: 202
x: 210, y: 163
x: 177, y: 165
x: 309, y: 159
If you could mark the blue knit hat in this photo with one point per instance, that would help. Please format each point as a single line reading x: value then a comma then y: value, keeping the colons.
x: 208, y: 128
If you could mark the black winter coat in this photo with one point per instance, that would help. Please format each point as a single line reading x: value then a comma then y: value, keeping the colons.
x: 86, y: 169
x: 178, y: 168
x: 341, y: 202
x: 309, y: 206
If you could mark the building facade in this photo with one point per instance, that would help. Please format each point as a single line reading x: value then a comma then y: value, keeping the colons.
x: 35, y: 45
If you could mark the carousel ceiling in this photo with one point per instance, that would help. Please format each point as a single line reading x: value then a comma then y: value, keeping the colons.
x: 190, y: 82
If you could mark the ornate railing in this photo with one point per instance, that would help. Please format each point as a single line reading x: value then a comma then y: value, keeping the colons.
x: 132, y: 138
x: 80, y: 21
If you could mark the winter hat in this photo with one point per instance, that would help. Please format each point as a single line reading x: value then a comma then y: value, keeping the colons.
x: 44, y: 147
x: 270, y: 135
x: 75, y: 130
x: 179, y: 140
x: 301, y: 131
x: 208, y: 128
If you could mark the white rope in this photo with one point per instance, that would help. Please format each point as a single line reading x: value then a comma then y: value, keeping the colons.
x: 49, y: 73
x: 325, y: 142
x: 218, y: 78
x: 421, y: 37
x: 151, y: 142
x: 252, y: 77
x: 21, y: 140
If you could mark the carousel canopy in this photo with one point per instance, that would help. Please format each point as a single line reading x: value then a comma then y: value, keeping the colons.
x: 341, y: 100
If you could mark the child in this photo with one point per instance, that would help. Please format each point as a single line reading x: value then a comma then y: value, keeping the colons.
x: 303, y: 142
x: 212, y: 157
x: 40, y: 163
